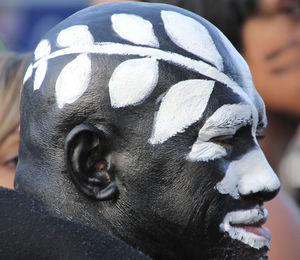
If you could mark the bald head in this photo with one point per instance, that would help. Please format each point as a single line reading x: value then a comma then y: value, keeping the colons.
x: 123, y: 107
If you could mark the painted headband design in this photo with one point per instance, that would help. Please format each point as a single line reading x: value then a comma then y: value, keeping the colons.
x: 124, y: 88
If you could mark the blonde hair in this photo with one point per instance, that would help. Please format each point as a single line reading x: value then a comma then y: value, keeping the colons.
x: 12, y: 70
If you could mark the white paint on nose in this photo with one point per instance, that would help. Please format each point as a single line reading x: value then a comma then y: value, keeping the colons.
x: 251, y: 174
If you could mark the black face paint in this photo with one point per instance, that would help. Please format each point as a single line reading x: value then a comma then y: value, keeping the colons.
x: 139, y: 101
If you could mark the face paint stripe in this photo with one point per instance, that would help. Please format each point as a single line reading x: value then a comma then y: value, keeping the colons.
x: 124, y: 49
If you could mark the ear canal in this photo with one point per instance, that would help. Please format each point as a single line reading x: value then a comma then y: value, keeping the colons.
x: 85, y: 153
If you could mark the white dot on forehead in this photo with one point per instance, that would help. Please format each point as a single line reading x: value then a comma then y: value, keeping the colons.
x: 192, y: 36
x: 133, y: 81
x: 182, y: 106
x: 73, y: 80
x: 77, y: 35
x: 135, y: 29
x: 43, y: 49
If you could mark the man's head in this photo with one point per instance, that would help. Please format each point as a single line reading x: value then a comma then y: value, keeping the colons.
x: 141, y: 120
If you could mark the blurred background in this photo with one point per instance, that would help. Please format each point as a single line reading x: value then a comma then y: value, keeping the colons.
x: 24, y: 22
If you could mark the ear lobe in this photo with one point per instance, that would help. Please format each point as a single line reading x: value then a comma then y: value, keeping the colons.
x: 85, y: 158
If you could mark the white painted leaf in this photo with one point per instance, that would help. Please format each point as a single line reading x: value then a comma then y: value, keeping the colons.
x: 192, y: 36
x: 40, y: 74
x: 135, y: 29
x: 73, y: 80
x: 205, y: 151
x: 77, y: 35
x: 42, y: 49
x: 133, y: 81
x: 182, y: 106
x: 28, y: 73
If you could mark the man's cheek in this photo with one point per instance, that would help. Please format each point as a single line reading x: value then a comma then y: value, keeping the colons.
x: 204, y: 176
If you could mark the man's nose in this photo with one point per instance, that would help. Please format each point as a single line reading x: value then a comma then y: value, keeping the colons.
x: 258, y: 180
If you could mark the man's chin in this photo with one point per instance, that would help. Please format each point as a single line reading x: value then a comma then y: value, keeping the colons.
x: 228, y: 248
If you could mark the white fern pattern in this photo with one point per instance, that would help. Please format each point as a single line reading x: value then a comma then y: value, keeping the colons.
x: 150, y: 55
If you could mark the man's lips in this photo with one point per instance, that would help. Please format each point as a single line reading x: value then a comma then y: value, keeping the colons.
x: 256, y: 228
x: 246, y: 226
x: 260, y: 231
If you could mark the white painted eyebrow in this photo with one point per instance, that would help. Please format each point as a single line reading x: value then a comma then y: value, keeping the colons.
x: 226, y: 121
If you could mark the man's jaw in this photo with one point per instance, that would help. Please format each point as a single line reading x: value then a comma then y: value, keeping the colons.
x: 246, y: 226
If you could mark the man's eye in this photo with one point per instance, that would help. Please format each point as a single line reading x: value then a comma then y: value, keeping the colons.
x: 223, y: 140
x: 12, y: 163
x: 260, y: 137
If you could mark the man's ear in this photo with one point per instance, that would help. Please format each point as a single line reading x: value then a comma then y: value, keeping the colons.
x: 86, y: 150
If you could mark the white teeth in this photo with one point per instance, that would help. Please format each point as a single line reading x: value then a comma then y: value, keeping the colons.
x: 245, y: 217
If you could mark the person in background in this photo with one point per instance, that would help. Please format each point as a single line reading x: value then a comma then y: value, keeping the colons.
x: 12, y: 70
x: 271, y: 46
